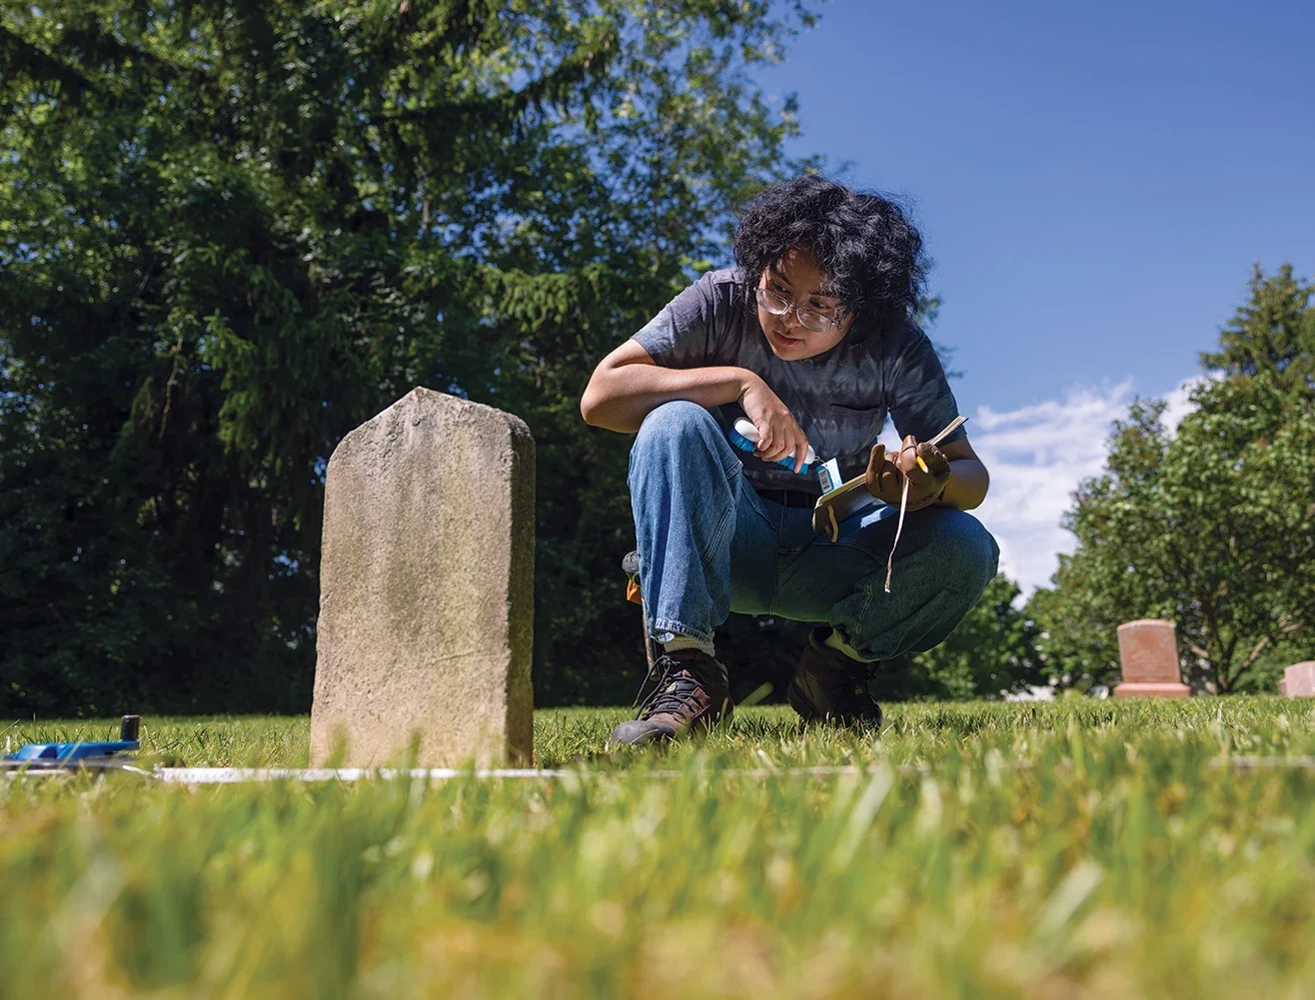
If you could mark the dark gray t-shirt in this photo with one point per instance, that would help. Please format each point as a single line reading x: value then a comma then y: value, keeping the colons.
x: 839, y: 398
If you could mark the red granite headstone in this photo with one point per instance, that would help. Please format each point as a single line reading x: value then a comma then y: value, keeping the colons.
x: 1148, y: 654
x: 1299, y: 679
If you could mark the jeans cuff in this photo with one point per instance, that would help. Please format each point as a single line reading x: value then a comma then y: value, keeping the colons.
x: 662, y: 626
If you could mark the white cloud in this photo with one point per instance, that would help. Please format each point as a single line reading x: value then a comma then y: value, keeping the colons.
x: 1037, y: 455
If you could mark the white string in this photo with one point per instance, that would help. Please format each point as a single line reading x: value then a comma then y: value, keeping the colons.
x: 899, y: 528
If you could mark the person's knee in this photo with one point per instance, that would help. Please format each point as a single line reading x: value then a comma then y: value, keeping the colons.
x: 675, y: 428
x: 945, y: 579
x: 681, y: 442
x: 965, y: 553
x: 678, y: 419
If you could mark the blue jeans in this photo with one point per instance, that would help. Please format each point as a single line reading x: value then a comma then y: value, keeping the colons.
x: 709, y: 545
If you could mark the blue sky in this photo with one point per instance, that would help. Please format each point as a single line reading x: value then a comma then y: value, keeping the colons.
x: 1094, y: 183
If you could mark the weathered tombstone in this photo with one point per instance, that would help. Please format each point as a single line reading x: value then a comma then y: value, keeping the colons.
x: 426, y: 588
x: 1148, y: 655
x: 1299, y: 680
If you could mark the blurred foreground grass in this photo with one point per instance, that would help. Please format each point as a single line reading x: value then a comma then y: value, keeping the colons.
x: 1066, y: 850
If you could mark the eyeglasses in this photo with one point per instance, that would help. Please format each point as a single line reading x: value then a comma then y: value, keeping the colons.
x: 809, y: 319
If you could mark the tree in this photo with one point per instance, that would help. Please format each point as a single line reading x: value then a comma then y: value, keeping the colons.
x: 1213, y: 529
x: 230, y: 232
x: 1273, y: 332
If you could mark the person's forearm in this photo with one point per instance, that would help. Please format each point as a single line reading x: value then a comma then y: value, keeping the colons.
x: 620, y: 398
x: 967, y: 486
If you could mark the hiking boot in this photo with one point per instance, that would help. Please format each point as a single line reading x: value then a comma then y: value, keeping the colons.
x: 829, y: 685
x: 691, y: 692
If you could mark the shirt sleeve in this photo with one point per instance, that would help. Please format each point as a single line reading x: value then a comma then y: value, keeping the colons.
x: 918, y: 392
x: 682, y: 334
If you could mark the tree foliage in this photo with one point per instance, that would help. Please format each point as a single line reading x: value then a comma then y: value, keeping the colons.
x: 231, y: 231
x: 1212, y: 528
x: 1273, y: 332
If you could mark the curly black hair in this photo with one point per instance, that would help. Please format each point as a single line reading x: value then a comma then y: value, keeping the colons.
x: 863, y: 242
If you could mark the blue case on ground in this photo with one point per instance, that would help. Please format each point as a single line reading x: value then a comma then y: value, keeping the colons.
x: 73, y: 751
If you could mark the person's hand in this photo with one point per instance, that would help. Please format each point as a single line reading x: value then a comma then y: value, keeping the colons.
x: 886, y: 474
x: 779, y: 435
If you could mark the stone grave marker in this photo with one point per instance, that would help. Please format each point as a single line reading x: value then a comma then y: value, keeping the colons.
x: 1299, y: 680
x: 1148, y: 655
x: 426, y: 589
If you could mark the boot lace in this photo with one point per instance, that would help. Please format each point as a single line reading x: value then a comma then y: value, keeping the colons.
x: 673, y: 686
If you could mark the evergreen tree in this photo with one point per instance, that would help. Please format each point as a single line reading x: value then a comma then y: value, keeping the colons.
x: 1273, y: 332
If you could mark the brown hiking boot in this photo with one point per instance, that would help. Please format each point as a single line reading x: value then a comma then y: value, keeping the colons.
x: 829, y: 685
x: 692, y: 692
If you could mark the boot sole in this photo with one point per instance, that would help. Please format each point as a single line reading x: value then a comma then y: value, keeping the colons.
x: 700, y: 727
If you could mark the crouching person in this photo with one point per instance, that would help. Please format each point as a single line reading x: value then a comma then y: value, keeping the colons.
x: 811, y: 338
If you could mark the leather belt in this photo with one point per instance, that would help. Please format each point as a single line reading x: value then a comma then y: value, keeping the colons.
x: 788, y: 498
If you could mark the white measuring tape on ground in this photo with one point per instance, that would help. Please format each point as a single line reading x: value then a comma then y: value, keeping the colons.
x: 237, y: 775
x: 194, y: 776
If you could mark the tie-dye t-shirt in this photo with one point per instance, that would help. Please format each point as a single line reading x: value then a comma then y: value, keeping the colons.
x: 840, y: 398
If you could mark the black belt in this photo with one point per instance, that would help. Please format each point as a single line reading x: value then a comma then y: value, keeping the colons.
x: 788, y: 498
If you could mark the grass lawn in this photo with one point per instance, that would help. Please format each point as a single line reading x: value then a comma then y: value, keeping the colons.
x: 1055, y: 851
